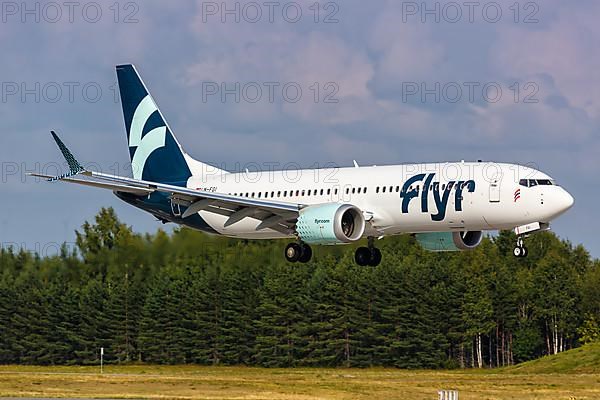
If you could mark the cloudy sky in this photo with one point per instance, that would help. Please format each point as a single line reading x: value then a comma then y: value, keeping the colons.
x: 381, y: 82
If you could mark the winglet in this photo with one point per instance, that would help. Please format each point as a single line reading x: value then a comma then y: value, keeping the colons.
x: 74, y: 165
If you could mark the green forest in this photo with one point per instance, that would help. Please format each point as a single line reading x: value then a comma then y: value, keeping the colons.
x: 188, y: 297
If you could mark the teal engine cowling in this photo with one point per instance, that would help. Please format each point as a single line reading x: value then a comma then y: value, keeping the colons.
x: 449, y: 241
x: 330, y: 224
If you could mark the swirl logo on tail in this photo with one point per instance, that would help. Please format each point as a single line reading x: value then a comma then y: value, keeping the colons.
x: 155, y: 139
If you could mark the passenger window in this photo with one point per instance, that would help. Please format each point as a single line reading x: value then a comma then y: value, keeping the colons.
x: 321, y: 192
x: 397, y: 189
x: 391, y: 189
x: 377, y: 189
x: 328, y: 192
x: 336, y: 191
x: 365, y: 190
x: 353, y: 190
x: 383, y: 189
x: 308, y: 192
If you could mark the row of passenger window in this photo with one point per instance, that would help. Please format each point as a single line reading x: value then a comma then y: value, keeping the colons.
x: 335, y: 191
x: 434, y: 186
x: 298, y: 193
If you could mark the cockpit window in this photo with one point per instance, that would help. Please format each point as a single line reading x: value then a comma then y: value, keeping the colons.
x: 535, y: 182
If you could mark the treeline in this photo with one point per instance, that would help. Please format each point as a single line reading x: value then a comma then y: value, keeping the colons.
x: 193, y: 298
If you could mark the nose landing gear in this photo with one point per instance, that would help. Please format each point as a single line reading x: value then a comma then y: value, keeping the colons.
x: 520, y: 250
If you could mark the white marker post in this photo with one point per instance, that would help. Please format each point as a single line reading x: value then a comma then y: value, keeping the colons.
x: 101, y: 357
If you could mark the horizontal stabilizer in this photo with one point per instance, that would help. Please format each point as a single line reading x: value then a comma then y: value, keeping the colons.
x: 115, y: 187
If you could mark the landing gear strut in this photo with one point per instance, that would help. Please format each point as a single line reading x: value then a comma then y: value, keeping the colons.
x: 520, y: 250
x: 370, y: 255
x: 298, y: 252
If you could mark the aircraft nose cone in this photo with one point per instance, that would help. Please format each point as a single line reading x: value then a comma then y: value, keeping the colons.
x: 566, y: 201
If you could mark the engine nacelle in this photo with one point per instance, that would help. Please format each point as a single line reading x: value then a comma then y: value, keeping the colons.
x: 330, y: 224
x: 450, y: 241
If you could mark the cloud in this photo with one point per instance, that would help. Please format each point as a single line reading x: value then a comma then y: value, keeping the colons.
x: 369, y: 53
x: 565, y: 49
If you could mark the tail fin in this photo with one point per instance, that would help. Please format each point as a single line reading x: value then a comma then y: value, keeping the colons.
x: 155, y: 153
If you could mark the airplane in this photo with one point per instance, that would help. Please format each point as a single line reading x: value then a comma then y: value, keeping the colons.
x: 446, y: 206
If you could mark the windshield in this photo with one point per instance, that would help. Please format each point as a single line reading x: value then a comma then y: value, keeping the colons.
x: 535, y: 182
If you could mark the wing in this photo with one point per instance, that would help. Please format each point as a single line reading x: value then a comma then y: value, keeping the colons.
x: 273, y: 214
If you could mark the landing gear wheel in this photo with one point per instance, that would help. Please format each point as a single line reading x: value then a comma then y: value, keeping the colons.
x: 518, y: 251
x: 293, y: 252
x: 375, y: 257
x: 362, y: 256
x: 305, y: 253
x: 367, y: 256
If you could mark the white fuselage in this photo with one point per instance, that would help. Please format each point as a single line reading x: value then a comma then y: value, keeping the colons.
x: 393, y: 198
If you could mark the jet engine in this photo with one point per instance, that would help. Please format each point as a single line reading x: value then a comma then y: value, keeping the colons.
x: 330, y: 224
x: 450, y: 241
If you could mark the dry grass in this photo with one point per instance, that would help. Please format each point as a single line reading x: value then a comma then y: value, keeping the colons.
x: 194, y: 382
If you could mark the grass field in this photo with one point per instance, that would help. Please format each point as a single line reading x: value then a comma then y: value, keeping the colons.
x: 571, y: 375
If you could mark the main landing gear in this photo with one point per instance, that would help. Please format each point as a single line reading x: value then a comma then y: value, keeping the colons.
x: 370, y: 255
x: 520, y: 250
x: 298, y: 252
x: 301, y: 252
